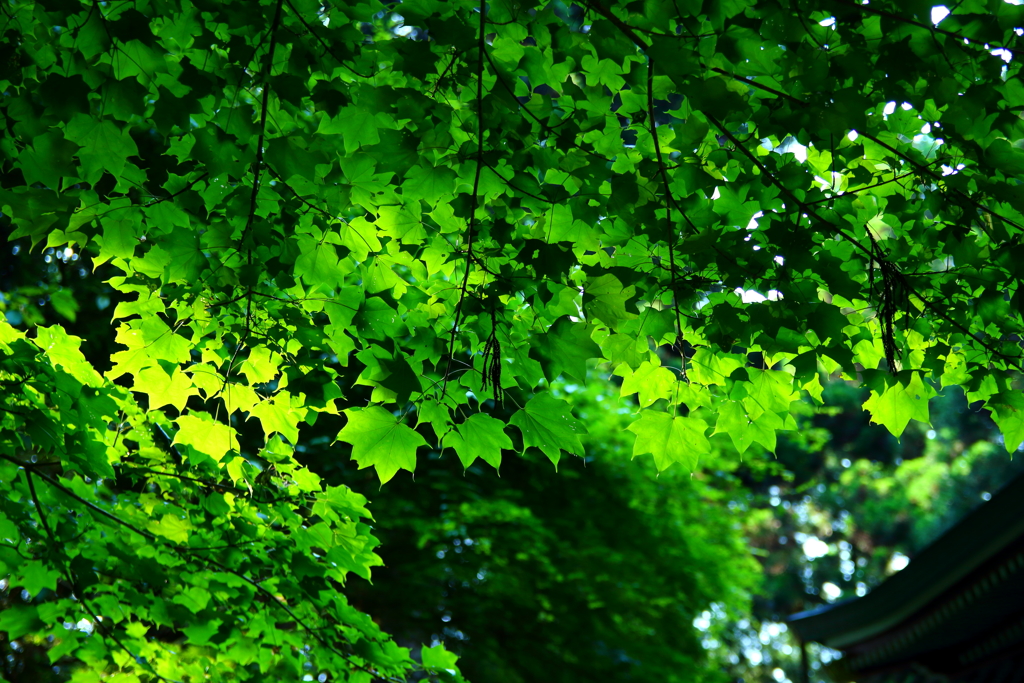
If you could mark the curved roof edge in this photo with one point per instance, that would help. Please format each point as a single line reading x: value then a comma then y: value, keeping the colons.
x: 971, y: 542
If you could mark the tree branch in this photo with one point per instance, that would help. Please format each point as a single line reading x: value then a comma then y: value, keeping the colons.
x: 474, y: 201
x: 258, y: 164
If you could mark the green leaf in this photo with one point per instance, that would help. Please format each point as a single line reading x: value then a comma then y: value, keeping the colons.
x: 566, y: 347
x: 546, y: 423
x: 172, y: 389
x: 280, y: 415
x: 104, y: 147
x: 1006, y: 156
x: 262, y: 365
x: 733, y: 420
x: 401, y: 223
x: 624, y: 348
x: 708, y: 367
x: 438, y: 659
x: 428, y: 182
x: 360, y: 237
x: 186, y: 258
x: 899, y: 404
x: 318, y: 263
x: 674, y: 55
x: 1008, y: 412
x: 670, y: 439
x: 380, y: 439
x: 149, y: 341
x: 436, y: 415
x: 171, y: 527
x: 48, y: 160
x: 605, y: 299
x: 763, y: 430
x: 19, y: 620
x: 35, y: 576
x: 200, y: 634
x: 63, y: 351
x: 481, y: 436
x: 357, y: 125
x: 650, y: 381
x: 205, y: 435
x: 64, y: 302
x: 767, y: 391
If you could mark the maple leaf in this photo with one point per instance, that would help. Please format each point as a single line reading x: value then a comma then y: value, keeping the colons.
x: 481, y: 436
x: 171, y: 527
x: 670, y: 439
x: 149, y: 340
x: 380, y: 439
x: 566, y: 347
x: 262, y: 365
x: 436, y: 415
x: 733, y: 420
x: 318, y: 263
x: 402, y: 223
x: 165, y: 388
x: 605, y: 298
x: 547, y: 424
x: 104, y: 146
x: 204, y: 434
x: 279, y: 415
x: 438, y: 659
x: 650, y: 381
x: 1008, y: 412
x: 900, y: 403
x: 708, y: 367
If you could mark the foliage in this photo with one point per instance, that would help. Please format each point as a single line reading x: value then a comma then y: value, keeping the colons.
x: 594, y: 573
x: 131, y: 552
x: 418, y: 215
x: 845, y: 505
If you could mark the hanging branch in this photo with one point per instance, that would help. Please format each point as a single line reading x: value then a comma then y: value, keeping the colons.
x: 104, y: 630
x: 474, y: 201
x: 891, y: 298
x: 938, y: 178
x: 186, y: 553
x: 258, y: 164
x: 810, y: 211
x: 492, y: 359
x: 670, y: 231
x: 932, y: 28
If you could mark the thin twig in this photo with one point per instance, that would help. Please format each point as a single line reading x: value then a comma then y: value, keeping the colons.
x: 934, y: 29
x: 186, y: 551
x: 258, y: 164
x: 70, y: 578
x: 669, y: 226
x: 474, y: 201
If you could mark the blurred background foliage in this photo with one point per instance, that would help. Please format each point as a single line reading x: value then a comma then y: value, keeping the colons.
x: 605, y: 570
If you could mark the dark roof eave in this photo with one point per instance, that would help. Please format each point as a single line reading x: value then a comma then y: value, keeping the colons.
x: 975, y: 539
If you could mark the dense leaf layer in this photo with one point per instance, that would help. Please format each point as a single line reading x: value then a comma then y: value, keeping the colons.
x: 437, y: 207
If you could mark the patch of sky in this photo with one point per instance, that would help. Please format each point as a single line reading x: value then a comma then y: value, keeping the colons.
x: 787, y: 146
x: 791, y: 146
x: 749, y: 296
x: 1003, y: 54
x: 939, y: 12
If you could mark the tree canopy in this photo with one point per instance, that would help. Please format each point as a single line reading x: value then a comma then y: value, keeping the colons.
x: 416, y: 227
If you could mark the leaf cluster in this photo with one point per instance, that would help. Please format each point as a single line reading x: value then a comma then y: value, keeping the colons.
x: 430, y: 210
